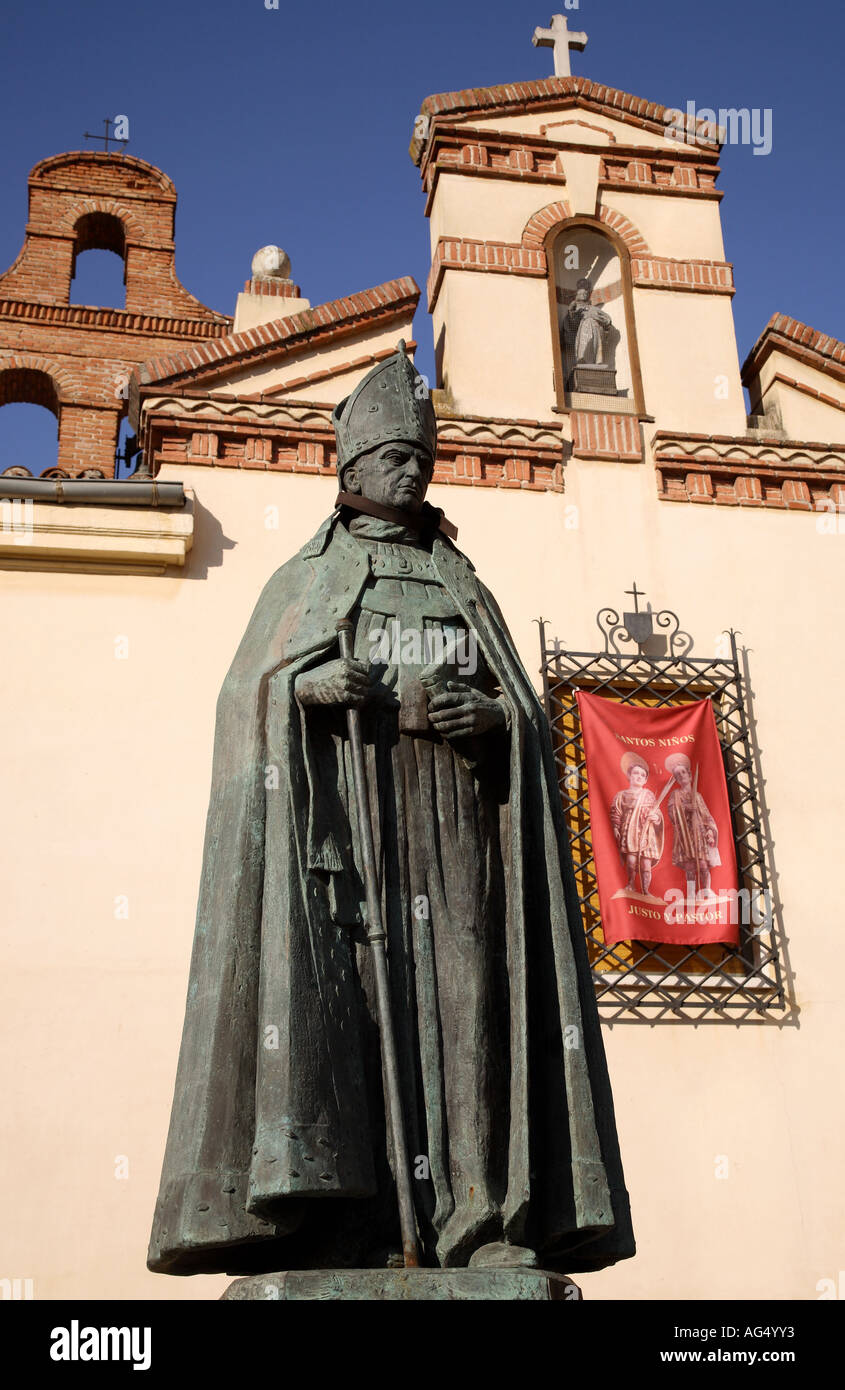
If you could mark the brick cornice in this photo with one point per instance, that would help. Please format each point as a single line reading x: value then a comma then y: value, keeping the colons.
x: 457, y: 149
x: 113, y: 320
x: 786, y: 474
x: 559, y: 93
x: 673, y: 173
x: 322, y: 324
x: 228, y: 431
x: 797, y: 340
x: 683, y: 171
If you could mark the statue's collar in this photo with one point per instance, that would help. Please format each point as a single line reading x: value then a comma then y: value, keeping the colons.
x: 427, y: 518
x: 373, y: 531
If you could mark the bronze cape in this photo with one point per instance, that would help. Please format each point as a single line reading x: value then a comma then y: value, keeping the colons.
x: 260, y: 1133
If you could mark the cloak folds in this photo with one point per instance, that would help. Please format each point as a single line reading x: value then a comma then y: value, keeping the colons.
x: 270, y: 1109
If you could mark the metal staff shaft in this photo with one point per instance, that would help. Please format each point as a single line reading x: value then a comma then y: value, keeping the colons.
x: 376, y: 936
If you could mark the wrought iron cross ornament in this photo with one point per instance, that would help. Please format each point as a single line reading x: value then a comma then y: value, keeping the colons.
x: 107, y: 137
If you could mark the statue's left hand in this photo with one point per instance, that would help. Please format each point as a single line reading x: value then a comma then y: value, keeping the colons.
x: 460, y: 711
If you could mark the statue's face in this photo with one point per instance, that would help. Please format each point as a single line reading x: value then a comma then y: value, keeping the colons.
x: 397, y: 474
x: 683, y: 777
x: 637, y: 776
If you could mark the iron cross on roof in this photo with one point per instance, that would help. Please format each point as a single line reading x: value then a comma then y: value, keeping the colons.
x: 107, y: 137
x: 558, y: 37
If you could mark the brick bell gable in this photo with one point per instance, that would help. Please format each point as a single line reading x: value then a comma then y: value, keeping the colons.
x: 83, y: 354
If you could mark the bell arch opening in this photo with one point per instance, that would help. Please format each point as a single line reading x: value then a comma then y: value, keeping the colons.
x: 29, y: 412
x: 97, y: 279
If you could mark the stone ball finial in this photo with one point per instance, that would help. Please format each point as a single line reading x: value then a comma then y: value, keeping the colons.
x: 271, y: 263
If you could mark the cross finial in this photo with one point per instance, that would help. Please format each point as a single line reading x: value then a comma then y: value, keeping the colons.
x: 108, y: 137
x: 558, y: 37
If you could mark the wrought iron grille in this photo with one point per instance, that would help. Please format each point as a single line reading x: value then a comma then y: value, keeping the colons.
x: 646, y: 660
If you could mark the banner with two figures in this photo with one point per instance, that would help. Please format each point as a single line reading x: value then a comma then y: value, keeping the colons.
x: 661, y: 825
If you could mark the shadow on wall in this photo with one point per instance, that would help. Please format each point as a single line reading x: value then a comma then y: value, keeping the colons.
x: 209, y: 543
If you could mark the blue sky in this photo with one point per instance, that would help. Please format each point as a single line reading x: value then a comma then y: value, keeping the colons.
x: 292, y: 126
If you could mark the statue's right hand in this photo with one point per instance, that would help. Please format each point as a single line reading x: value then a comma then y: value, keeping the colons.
x: 344, y: 681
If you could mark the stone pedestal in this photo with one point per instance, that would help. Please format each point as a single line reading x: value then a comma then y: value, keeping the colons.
x: 406, y: 1285
x: 595, y: 378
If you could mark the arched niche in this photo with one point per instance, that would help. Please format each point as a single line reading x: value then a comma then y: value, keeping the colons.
x: 591, y: 306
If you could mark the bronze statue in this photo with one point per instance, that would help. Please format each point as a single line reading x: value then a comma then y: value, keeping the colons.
x: 278, y: 1155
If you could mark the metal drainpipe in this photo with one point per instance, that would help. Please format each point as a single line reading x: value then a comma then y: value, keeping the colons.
x: 95, y: 491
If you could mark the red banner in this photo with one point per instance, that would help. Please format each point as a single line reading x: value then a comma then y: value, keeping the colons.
x: 661, y: 825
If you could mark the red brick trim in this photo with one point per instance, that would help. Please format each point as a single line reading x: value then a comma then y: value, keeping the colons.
x: 498, y: 257
x: 789, y: 475
x: 285, y: 289
x: 537, y: 228
x: 624, y: 228
x: 529, y: 258
x: 604, y: 435
x: 684, y: 173
x: 797, y: 340
x: 806, y: 390
x: 133, y: 229
x: 661, y: 273
x: 362, y: 364
x: 487, y: 465
x: 459, y: 149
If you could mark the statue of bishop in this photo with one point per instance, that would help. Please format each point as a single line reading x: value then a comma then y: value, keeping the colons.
x: 278, y: 1154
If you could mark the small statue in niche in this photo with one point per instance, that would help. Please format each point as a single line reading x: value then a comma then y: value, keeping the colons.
x: 585, y: 332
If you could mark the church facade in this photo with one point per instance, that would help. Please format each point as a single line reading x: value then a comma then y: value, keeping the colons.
x: 592, y: 430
